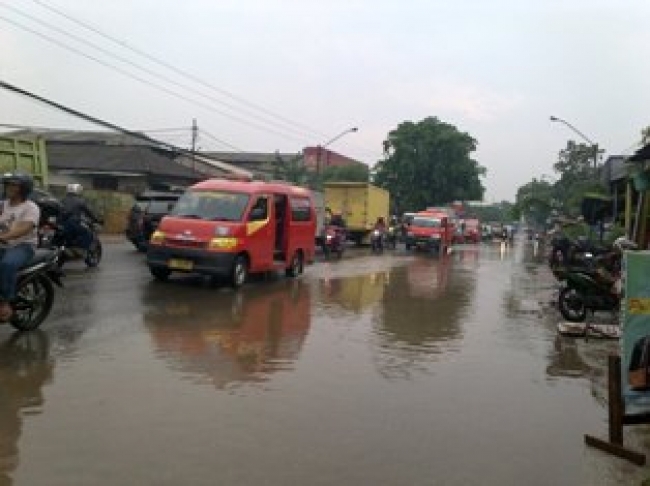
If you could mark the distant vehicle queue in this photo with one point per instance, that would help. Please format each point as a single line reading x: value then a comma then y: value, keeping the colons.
x: 230, y: 228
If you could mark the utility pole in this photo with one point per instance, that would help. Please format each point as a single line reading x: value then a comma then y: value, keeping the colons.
x: 195, y: 136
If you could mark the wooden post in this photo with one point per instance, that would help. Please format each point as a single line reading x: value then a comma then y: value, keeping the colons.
x: 628, y: 209
x: 616, y: 418
x: 644, y: 221
x: 615, y: 397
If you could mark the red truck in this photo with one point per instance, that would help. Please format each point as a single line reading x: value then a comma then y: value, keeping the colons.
x: 431, y: 230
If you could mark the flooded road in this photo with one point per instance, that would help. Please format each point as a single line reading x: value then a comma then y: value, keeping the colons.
x: 374, y: 370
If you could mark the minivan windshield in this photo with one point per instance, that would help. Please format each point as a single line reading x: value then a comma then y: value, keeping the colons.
x: 211, y: 205
x: 426, y: 222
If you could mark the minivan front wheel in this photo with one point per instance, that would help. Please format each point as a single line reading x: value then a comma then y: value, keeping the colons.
x: 239, y: 272
x: 297, y: 265
x: 160, y: 274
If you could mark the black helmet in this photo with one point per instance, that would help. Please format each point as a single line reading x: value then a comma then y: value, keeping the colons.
x: 25, y: 181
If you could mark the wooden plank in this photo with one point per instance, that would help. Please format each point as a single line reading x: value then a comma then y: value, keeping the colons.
x: 637, y: 419
x: 616, y: 406
x: 616, y: 449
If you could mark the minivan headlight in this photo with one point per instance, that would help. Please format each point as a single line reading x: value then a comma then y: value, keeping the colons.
x: 158, y: 237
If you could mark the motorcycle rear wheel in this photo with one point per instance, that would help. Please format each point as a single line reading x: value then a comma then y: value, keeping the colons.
x: 572, y: 305
x: 94, y: 254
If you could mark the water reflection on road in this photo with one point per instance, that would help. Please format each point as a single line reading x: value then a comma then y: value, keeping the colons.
x: 229, y: 338
x: 25, y: 367
x: 377, y: 369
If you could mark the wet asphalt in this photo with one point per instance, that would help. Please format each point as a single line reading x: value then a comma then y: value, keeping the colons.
x: 392, y: 369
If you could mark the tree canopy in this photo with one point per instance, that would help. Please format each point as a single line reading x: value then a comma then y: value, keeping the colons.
x: 349, y: 173
x: 502, y: 212
x: 537, y: 199
x: 428, y: 163
x: 577, y: 169
x: 645, y: 136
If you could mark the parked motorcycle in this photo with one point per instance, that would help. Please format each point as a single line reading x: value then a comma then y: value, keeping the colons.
x: 592, y: 283
x: 35, y: 290
x: 333, y: 241
x: 377, y: 241
x: 587, y: 290
x: 53, y: 235
x: 568, y: 252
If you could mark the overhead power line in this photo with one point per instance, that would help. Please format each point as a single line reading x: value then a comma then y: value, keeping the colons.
x: 179, y: 71
x: 155, y: 74
x: 148, y: 82
x: 112, y: 126
x: 215, y: 139
x: 172, y: 131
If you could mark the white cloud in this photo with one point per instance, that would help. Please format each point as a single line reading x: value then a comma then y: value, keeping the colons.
x: 473, y: 103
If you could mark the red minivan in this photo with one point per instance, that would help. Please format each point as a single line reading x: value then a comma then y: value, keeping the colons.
x: 431, y: 230
x: 232, y: 228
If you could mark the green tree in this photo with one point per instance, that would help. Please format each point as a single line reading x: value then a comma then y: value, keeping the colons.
x: 428, y: 163
x: 293, y: 170
x: 347, y: 173
x: 645, y: 136
x: 502, y: 212
x: 578, y: 176
x: 536, y: 199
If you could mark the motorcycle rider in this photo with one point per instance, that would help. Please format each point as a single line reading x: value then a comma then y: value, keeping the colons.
x: 380, y: 224
x: 394, y: 229
x: 74, y: 209
x: 379, y: 231
x: 338, y: 221
x: 18, y: 232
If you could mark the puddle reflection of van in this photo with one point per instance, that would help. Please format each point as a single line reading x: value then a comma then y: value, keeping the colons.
x: 254, y: 334
x: 233, y: 228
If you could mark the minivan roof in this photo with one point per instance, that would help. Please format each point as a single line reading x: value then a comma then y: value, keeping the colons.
x: 250, y: 187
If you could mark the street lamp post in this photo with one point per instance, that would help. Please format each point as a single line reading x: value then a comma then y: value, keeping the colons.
x: 595, y: 149
x: 594, y: 146
x: 329, y: 142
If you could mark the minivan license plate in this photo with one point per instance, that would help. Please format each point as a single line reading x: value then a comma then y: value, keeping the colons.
x: 180, y: 264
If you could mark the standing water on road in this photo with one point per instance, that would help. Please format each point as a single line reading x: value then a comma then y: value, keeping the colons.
x: 389, y: 369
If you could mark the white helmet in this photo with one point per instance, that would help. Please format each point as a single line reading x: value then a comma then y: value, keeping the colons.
x: 74, y: 189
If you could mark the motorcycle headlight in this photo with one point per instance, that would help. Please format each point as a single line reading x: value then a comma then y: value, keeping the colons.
x: 329, y: 237
x: 375, y: 233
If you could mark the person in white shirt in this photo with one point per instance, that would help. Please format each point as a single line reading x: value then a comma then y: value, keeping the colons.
x: 19, y: 218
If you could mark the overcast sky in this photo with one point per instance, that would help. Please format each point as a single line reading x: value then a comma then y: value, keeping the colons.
x: 283, y: 74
